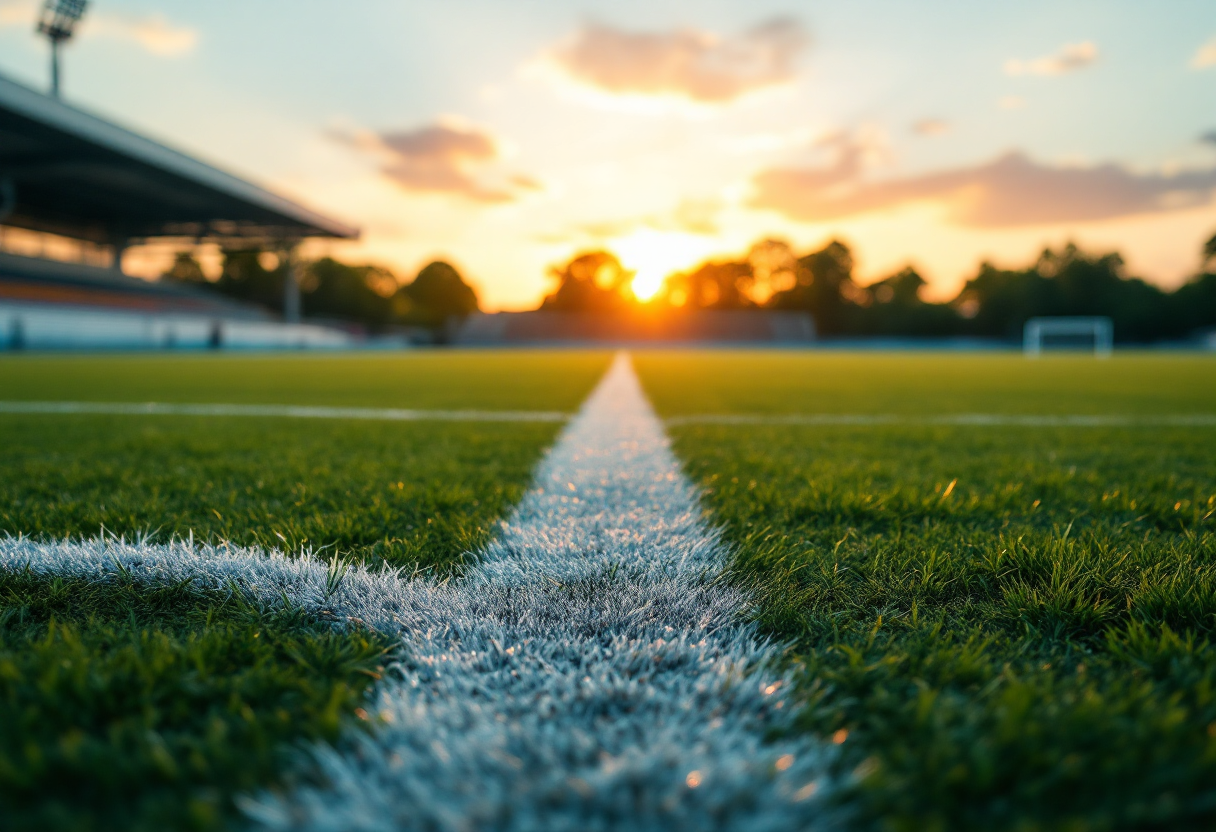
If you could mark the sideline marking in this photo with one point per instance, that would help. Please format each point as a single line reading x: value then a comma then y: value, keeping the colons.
x: 590, y: 672
x: 417, y: 415
x: 962, y: 419
x: 283, y: 410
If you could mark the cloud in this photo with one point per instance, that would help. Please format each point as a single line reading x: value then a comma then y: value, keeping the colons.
x: 1011, y: 191
x: 1206, y: 56
x: 697, y: 217
x: 931, y: 127
x: 154, y: 33
x: 1070, y: 58
x: 688, y: 63
x: 18, y: 12
x: 442, y: 158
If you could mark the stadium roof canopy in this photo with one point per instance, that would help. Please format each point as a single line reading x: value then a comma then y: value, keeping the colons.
x: 77, y: 175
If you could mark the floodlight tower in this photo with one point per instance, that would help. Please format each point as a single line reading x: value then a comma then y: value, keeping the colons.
x: 58, y: 21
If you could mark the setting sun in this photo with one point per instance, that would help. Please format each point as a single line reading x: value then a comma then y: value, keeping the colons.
x: 653, y: 255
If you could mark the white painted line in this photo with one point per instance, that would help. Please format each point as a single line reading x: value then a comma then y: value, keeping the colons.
x: 282, y: 410
x: 962, y: 419
x: 592, y: 672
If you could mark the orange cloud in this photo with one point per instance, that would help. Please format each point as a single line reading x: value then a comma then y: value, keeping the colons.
x: 442, y: 159
x: 931, y: 127
x: 1008, y: 192
x: 688, y: 218
x: 1205, y: 56
x: 688, y: 63
x: 154, y: 33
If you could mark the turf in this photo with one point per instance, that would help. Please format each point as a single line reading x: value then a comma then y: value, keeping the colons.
x: 517, y: 380
x: 134, y: 707
x: 129, y: 707
x: 422, y: 493
x: 414, y: 493
x: 1010, y: 628
x: 768, y: 382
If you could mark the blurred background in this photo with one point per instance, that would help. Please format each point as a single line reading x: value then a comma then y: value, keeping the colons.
x: 769, y: 171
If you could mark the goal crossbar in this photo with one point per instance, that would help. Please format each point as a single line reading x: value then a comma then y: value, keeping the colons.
x: 1100, y: 328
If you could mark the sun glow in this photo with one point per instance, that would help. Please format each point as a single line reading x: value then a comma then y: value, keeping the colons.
x: 653, y: 255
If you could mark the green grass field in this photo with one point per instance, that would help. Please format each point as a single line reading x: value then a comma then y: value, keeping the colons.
x: 1012, y: 626
x: 123, y: 708
x: 773, y: 382
x: 517, y: 380
x: 1009, y: 627
x: 409, y: 493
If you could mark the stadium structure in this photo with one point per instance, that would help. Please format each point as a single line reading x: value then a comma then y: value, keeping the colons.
x: 718, y: 326
x: 87, y: 188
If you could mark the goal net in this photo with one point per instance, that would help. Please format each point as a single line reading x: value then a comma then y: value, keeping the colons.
x: 1096, y: 334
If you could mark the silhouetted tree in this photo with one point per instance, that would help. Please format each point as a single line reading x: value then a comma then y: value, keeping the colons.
x: 1193, y: 305
x: 368, y: 295
x: 824, y: 287
x: 435, y: 296
x: 720, y: 284
x: 245, y: 278
x: 360, y: 294
x: 1209, y: 252
x: 893, y: 306
x: 774, y: 268
x: 1069, y: 282
x: 594, y: 281
x: 185, y: 269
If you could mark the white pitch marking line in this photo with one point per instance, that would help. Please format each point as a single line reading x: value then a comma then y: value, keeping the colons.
x: 961, y: 419
x: 591, y: 673
x: 417, y: 415
x: 285, y: 411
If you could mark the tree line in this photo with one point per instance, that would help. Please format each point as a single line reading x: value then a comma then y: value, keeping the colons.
x: 371, y: 297
x: 995, y: 303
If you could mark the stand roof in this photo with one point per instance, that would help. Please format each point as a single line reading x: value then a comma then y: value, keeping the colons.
x: 80, y: 176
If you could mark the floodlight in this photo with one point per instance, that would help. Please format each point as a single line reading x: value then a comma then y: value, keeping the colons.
x: 58, y: 21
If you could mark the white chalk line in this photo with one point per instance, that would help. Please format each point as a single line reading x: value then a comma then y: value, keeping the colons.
x: 958, y: 419
x: 593, y: 672
x: 280, y: 410
x: 417, y: 415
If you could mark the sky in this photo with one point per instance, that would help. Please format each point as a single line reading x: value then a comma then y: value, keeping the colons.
x: 507, y: 137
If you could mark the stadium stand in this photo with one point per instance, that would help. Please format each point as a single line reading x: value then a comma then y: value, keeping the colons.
x: 71, y: 175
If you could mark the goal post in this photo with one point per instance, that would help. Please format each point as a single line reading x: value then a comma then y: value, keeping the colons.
x: 1068, y: 333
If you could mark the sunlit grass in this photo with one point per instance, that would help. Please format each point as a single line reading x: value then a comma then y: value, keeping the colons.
x: 417, y: 493
x: 132, y: 707
x: 412, y: 493
x: 137, y: 708
x: 762, y: 381
x: 515, y: 380
x: 1010, y: 627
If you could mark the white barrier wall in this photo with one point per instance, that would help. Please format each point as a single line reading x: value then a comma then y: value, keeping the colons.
x: 47, y: 327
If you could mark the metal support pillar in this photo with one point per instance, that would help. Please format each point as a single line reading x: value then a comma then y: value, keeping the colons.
x: 119, y: 246
x: 55, y: 66
x: 291, y: 285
